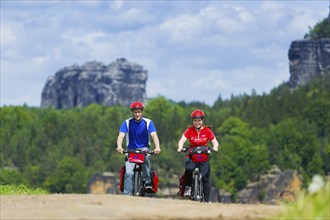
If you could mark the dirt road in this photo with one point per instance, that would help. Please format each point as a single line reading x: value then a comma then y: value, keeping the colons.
x: 92, y: 206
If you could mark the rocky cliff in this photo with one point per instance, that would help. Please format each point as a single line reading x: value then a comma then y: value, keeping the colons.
x: 118, y: 83
x: 308, y: 58
x: 274, y: 187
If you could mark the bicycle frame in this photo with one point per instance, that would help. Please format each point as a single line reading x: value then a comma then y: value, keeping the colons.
x: 197, y: 193
x: 138, y: 159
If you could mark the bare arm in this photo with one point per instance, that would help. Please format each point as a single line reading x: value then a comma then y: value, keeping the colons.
x: 215, y: 144
x: 181, y: 142
x: 120, y: 139
x: 156, y: 142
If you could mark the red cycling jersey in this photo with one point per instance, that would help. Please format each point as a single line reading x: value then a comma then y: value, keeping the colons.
x: 199, y: 139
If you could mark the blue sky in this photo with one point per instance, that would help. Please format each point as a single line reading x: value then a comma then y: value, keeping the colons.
x: 192, y: 50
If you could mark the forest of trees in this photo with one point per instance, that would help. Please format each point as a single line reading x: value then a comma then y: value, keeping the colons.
x: 59, y: 150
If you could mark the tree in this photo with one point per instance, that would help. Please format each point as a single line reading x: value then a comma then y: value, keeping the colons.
x: 294, y: 145
x: 68, y: 177
x: 241, y: 159
x: 320, y: 30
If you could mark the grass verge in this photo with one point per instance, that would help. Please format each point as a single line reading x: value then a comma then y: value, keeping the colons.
x: 20, y: 190
x: 309, y: 205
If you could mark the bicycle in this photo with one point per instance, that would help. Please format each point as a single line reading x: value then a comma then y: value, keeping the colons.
x: 198, y: 155
x: 138, y: 157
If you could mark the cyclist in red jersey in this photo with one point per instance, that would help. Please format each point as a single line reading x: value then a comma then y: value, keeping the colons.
x: 198, y: 135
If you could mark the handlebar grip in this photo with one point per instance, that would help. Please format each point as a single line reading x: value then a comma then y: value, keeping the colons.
x: 184, y: 149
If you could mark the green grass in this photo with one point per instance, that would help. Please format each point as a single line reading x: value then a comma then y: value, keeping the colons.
x: 20, y: 190
x: 310, y: 206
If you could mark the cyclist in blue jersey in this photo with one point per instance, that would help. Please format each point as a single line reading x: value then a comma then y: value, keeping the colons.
x: 138, y: 130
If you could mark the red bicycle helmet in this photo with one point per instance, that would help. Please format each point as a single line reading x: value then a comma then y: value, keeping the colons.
x: 137, y: 105
x: 197, y: 114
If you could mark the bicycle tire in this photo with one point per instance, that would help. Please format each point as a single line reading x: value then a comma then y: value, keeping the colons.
x: 200, y: 187
x: 142, y: 189
x: 136, y: 189
x: 195, y: 187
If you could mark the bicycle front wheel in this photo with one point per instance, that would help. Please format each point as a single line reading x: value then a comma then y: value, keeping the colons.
x: 136, y: 189
x: 201, y: 193
x: 197, y: 187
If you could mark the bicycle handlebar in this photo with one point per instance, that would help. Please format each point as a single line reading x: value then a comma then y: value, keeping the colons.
x: 139, y: 151
x: 185, y: 149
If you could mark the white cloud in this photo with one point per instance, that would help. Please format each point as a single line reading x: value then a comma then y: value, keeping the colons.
x: 211, y: 25
x: 9, y: 34
x: 220, y: 46
x: 116, y: 5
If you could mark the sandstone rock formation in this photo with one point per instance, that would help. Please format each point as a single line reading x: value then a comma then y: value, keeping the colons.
x: 308, y: 58
x: 103, y: 184
x: 272, y: 188
x: 118, y: 83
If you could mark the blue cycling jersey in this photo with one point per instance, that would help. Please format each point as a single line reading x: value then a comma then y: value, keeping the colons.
x: 137, y: 132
